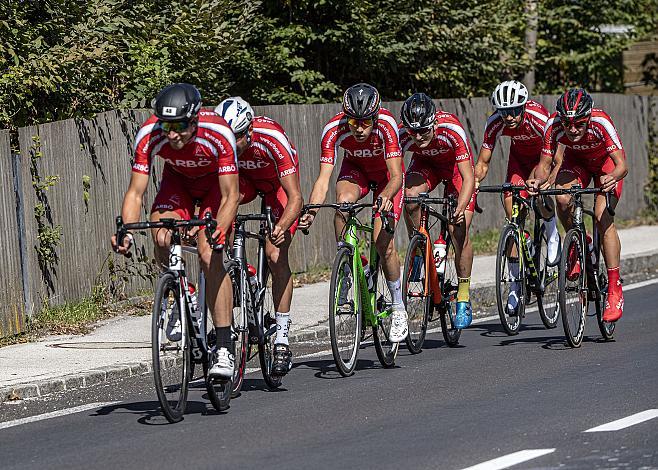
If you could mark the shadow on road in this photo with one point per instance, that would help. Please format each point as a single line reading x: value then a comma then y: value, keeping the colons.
x: 326, y: 368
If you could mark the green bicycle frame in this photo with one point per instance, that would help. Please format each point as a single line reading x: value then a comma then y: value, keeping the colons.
x: 527, y: 257
x: 367, y: 299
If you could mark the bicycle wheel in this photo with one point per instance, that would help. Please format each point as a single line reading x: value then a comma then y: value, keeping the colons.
x: 171, y: 357
x: 418, y: 304
x: 510, y: 280
x: 266, y: 343
x: 449, y: 284
x: 547, y: 300
x: 242, y: 301
x: 381, y: 331
x: 572, y: 288
x: 606, y: 328
x: 344, y: 313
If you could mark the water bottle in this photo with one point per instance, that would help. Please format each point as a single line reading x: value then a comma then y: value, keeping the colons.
x: 439, y: 253
x: 253, y: 279
x: 194, y: 307
x: 590, y: 250
x: 193, y: 297
x: 366, y: 271
x: 529, y: 244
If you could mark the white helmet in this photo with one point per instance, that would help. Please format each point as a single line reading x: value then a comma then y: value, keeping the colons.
x: 237, y: 113
x: 509, y: 94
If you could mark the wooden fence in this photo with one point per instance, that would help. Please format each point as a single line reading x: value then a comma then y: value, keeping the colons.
x: 74, y: 173
x: 12, y: 306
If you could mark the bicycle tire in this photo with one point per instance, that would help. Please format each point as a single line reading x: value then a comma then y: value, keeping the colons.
x: 242, y: 301
x: 219, y: 391
x: 547, y: 300
x: 606, y: 328
x: 509, y: 238
x: 449, y: 284
x: 267, y: 337
x: 345, y: 352
x: 573, y: 319
x: 386, y: 350
x: 419, y: 306
x: 167, y: 296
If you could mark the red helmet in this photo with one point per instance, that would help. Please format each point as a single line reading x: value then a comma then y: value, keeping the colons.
x: 574, y: 105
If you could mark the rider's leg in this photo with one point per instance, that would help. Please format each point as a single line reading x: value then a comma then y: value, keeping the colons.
x: 605, y: 224
x: 463, y: 255
x: 347, y: 190
x: 277, y: 258
x: 415, y: 184
x: 385, y: 245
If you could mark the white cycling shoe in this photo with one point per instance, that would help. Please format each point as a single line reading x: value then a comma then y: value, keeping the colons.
x: 223, y: 365
x: 174, y: 331
x: 399, y: 326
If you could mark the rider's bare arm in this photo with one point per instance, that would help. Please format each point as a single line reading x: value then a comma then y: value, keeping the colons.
x: 228, y: 207
x: 482, y: 165
x: 394, y: 166
x: 290, y: 184
x: 608, y: 182
x: 132, y: 200
x: 468, y: 184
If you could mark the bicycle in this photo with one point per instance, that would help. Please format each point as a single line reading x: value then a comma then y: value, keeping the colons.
x: 357, y: 301
x: 425, y: 288
x: 535, y: 275
x: 587, y: 285
x: 172, y: 304
x: 256, y: 325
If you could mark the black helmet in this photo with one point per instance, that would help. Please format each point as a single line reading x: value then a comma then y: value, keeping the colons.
x: 177, y: 102
x: 574, y: 104
x: 418, y: 112
x: 361, y: 101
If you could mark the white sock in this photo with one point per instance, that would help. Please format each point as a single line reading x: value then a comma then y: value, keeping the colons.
x: 513, y: 297
x: 553, y: 239
x: 395, y: 287
x: 513, y: 268
x: 282, y: 326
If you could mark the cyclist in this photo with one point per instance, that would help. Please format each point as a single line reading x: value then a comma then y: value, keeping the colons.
x: 523, y: 120
x: 199, y: 152
x: 268, y: 163
x: 583, y: 143
x: 368, y: 134
x: 441, y: 152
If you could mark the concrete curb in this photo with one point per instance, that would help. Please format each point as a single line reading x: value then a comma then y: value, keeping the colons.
x: 633, y: 268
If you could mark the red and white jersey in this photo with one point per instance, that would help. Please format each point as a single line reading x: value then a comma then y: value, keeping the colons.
x: 370, y: 155
x: 448, y: 147
x: 211, y: 150
x: 596, y: 145
x: 527, y: 138
x: 271, y: 155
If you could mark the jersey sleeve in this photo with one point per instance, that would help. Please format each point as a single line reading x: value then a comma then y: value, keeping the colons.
x: 330, y: 135
x: 550, y: 138
x: 220, y: 135
x: 453, y: 132
x: 492, y: 131
x: 389, y: 130
x: 608, y: 130
x: 280, y: 147
x: 147, y: 138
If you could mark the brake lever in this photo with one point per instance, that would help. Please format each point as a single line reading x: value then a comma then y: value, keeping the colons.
x: 121, y: 234
x: 211, y: 226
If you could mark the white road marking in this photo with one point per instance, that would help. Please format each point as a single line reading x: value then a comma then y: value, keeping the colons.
x: 626, y: 422
x: 509, y: 460
x: 56, y: 414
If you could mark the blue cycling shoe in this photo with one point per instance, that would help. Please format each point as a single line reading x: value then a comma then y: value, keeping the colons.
x: 464, y: 315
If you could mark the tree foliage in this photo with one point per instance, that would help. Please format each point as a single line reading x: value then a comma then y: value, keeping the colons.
x: 73, y: 58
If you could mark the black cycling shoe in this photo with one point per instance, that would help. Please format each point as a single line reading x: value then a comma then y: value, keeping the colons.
x: 282, y: 360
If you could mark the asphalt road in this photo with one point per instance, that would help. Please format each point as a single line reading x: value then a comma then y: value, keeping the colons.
x: 526, y: 399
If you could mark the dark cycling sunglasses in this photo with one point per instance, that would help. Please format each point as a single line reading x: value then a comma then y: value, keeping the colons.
x: 241, y: 134
x: 423, y: 131
x: 514, y: 112
x: 577, y: 123
x: 176, y: 126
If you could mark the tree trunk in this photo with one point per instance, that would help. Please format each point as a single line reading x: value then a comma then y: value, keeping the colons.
x: 531, y: 42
